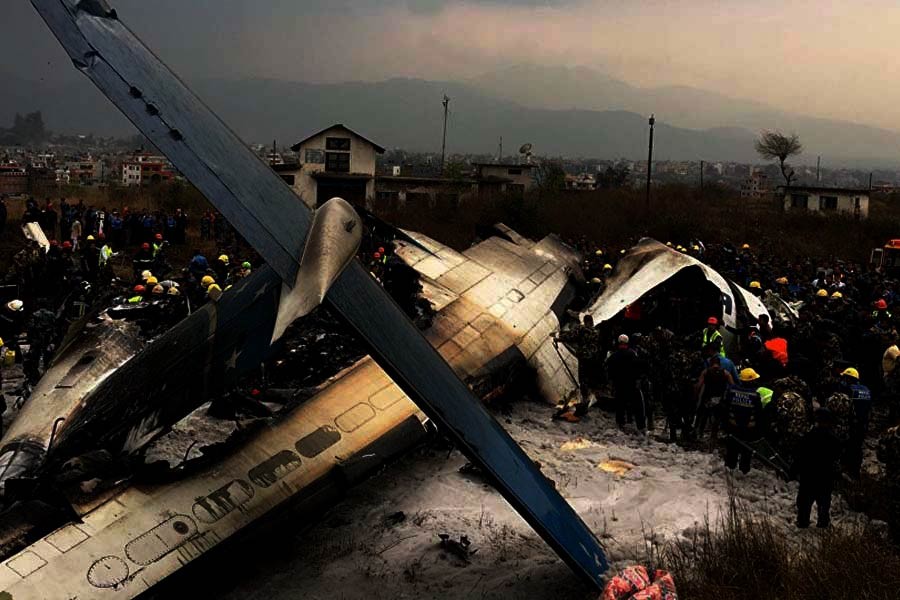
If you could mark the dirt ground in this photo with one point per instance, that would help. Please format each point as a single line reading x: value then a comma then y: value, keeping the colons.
x: 383, y: 540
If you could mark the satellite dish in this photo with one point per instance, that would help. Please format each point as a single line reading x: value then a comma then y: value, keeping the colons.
x: 525, y: 149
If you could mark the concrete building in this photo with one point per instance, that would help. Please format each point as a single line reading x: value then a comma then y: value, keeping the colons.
x: 756, y: 185
x: 144, y: 169
x: 392, y: 191
x: 503, y: 178
x: 87, y: 171
x: 336, y: 161
x: 826, y: 200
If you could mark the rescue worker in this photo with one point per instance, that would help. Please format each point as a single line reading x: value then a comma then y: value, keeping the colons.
x: 143, y: 258
x: 742, y: 414
x: 90, y: 259
x: 625, y: 371
x: 890, y: 360
x: 214, y: 292
x: 198, y: 265
x: 861, y: 398
x: 815, y: 467
x: 246, y: 269
x: 106, y: 252
x: 714, y: 381
x: 711, y: 335
x: 221, y: 268
x: 138, y: 296
x: 584, y: 341
x: 157, y: 244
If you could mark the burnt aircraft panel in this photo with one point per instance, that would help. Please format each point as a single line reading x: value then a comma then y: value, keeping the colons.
x: 265, y: 211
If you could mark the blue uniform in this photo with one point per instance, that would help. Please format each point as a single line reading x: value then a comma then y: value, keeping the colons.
x: 742, y: 413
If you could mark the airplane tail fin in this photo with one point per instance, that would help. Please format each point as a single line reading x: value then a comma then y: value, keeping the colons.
x: 333, y: 241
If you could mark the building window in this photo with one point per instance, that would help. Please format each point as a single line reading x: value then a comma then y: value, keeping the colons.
x: 337, y: 162
x: 333, y: 143
x: 514, y: 171
x: 828, y: 203
x: 800, y: 201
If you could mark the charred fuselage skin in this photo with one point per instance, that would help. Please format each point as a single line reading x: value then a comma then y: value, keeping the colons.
x: 106, y: 389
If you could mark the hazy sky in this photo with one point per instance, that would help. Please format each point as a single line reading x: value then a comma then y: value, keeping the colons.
x: 837, y: 58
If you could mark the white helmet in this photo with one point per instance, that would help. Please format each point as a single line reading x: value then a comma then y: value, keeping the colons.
x: 15, y: 305
x: 623, y: 339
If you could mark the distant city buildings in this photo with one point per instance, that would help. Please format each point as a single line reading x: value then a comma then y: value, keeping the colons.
x: 756, y: 185
x: 146, y: 169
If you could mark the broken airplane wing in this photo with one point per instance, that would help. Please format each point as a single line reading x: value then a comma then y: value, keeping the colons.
x: 271, y: 218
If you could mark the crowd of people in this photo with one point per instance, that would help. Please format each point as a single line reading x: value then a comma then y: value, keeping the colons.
x: 796, y: 391
x: 117, y: 260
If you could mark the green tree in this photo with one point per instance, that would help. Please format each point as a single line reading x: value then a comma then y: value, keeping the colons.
x: 773, y: 145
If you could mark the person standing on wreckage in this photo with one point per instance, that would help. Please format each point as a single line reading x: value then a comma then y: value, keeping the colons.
x: 625, y: 371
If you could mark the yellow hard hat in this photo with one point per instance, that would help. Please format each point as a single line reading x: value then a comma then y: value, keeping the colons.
x: 213, y: 288
x: 680, y: 248
x: 837, y: 295
x: 850, y: 372
x: 207, y: 281
x: 695, y: 248
x: 755, y: 285
x: 607, y: 267
x: 223, y: 258
x: 1, y: 342
x: 145, y: 274
x: 745, y: 247
x: 173, y: 291
x: 749, y: 375
x: 782, y: 281
x: 90, y: 238
x: 152, y: 280
x: 822, y: 293
x: 669, y: 244
x: 622, y: 251
x: 596, y: 280
x: 598, y: 252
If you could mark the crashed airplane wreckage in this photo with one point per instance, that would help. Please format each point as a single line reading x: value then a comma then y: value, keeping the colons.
x: 103, y: 392
x: 650, y: 264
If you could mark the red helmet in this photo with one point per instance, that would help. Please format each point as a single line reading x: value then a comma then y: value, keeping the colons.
x: 54, y: 243
x: 139, y: 289
x: 881, y: 304
x: 145, y: 246
x: 67, y: 245
x: 377, y: 255
x: 158, y: 237
x: 712, y: 321
x: 255, y: 392
x: 381, y: 249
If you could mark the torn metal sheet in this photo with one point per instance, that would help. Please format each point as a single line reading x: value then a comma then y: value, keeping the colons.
x: 514, y: 293
x: 332, y: 243
x: 783, y: 311
x: 650, y: 263
x: 264, y: 210
x: 33, y: 232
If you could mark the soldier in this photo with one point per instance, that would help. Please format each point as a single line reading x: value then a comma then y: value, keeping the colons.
x: 889, y: 454
x: 625, y: 371
x: 815, y: 467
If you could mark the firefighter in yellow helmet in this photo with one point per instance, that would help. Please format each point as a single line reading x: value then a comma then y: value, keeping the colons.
x: 742, y: 413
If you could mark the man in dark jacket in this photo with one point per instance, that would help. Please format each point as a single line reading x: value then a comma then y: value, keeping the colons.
x: 625, y: 371
x: 815, y: 467
x: 743, y: 419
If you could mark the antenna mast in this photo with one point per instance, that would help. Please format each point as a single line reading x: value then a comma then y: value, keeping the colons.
x: 444, y: 140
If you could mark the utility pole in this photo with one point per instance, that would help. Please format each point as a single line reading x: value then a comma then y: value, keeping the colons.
x: 650, y: 161
x: 444, y: 140
x: 818, y: 164
x: 870, y: 181
x: 273, y: 152
x: 500, y: 153
x: 701, y: 175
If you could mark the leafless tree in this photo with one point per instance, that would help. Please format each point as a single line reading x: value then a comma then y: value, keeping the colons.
x: 774, y: 144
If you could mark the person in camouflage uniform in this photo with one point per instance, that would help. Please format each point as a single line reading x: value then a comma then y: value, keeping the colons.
x: 792, y: 415
x: 889, y: 453
x: 843, y: 411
